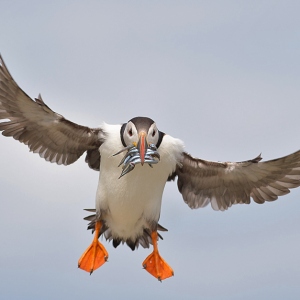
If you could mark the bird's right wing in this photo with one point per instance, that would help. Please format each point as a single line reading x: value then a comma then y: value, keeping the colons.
x: 223, y: 184
x: 33, y: 123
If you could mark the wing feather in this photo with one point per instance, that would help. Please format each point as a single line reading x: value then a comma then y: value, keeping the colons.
x: 223, y: 184
x: 33, y: 123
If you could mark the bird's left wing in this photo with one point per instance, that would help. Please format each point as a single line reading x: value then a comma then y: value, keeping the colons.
x: 225, y: 183
x: 33, y: 123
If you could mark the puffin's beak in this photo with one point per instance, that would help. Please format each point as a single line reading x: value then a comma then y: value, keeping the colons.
x: 142, y: 146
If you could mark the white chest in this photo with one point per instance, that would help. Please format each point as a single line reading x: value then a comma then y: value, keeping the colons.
x: 131, y: 202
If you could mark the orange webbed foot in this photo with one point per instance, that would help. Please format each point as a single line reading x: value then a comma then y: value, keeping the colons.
x: 155, y: 264
x: 95, y: 255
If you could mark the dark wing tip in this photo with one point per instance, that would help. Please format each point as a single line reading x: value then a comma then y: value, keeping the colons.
x: 39, y: 100
x: 256, y: 159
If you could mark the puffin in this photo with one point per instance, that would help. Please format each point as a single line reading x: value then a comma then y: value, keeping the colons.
x: 135, y: 160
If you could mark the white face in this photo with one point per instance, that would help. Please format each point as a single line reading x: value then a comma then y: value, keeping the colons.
x: 131, y: 135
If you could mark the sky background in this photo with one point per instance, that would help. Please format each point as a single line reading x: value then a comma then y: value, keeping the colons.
x: 224, y: 76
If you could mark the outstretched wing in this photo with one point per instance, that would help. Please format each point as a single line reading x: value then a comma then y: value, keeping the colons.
x: 44, y: 131
x: 225, y: 183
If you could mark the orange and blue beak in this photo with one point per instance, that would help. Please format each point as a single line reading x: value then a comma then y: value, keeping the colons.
x: 142, y: 146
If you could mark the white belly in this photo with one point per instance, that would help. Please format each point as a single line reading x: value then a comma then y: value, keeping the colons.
x: 132, y: 203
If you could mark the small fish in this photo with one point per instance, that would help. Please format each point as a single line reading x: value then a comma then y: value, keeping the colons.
x: 132, y: 158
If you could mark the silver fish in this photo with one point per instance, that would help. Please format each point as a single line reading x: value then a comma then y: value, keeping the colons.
x: 132, y: 158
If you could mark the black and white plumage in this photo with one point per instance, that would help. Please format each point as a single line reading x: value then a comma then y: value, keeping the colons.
x: 129, y: 207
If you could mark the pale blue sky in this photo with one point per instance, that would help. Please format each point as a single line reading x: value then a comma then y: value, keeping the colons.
x: 223, y: 76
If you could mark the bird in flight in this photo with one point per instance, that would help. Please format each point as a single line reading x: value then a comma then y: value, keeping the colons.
x: 135, y: 160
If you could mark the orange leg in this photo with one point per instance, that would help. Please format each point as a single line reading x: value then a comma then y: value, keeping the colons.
x: 95, y: 255
x: 155, y: 264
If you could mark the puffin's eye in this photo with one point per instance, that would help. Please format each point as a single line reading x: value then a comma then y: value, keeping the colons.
x: 130, y: 132
x: 153, y: 133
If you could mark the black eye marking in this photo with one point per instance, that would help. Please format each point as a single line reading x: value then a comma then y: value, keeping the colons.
x: 130, y: 132
x: 153, y: 133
